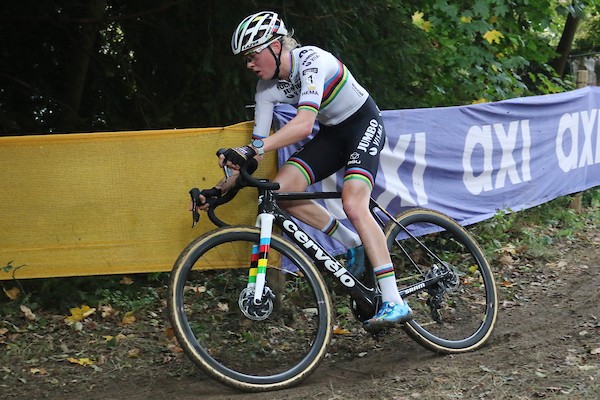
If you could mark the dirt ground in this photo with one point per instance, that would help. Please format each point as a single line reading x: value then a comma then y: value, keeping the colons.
x: 546, y: 345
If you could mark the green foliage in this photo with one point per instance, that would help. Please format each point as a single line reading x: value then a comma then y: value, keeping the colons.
x: 534, y: 230
x: 61, y: 294
x: 491, y: 50
x: 157, y: 64
x: 588, y: 40
x: 9, y: 267
x: 129, y: 298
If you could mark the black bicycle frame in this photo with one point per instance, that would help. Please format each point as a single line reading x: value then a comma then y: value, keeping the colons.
x: 366, y: 299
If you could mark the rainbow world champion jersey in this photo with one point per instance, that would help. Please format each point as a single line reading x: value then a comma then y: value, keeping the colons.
x: 318, y: 82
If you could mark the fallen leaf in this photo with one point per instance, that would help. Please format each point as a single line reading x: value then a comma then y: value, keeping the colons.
x: 223, y: 307
x: 107, y: 311
x: 540, y: 374
x: 133, y: 353
x: 508, y: 249
x: 28, y: 314
x: 196, y: 289
x: 169, y: 333
x: 13, y: 293
x: 79, y: 313
x: 80, y: 361
x: 587, y: 367
x: 38, y: 371
x: 506, y: 260
x: 128, y: 318
x: 340, y: 331
x: 126, y: 281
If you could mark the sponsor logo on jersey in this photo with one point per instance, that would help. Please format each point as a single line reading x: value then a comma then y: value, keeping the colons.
x: 371, y: 137
x: 289, y: 90
x: 309, y: 59
x: 309, y: 80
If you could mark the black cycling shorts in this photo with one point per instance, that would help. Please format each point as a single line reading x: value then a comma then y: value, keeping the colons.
x: 354, y: 143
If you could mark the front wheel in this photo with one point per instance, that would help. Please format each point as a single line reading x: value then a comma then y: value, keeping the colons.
x: 458, y: 313
x: 269, y: 348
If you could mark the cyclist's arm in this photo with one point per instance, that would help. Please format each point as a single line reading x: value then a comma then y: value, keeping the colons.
x: 312, y: 82
x: 299, y: 127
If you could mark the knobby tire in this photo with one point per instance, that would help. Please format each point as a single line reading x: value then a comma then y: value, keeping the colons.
x: 466, y: 313
x: 271, y: 354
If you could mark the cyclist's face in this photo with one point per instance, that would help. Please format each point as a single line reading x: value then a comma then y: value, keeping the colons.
x: 261, y: 62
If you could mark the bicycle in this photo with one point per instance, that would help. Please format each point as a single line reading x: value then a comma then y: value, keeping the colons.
x: 251, y: 308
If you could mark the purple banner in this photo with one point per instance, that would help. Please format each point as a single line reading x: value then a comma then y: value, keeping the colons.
x: 470, y: 162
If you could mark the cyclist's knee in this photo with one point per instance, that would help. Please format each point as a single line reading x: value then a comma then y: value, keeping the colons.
x: 356, y: 207
x: 290, y: 179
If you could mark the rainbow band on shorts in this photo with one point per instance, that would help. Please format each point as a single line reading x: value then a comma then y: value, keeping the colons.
x: 361, y: 174
x: 307, y: 172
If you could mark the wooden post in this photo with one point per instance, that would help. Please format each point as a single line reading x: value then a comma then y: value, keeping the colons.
x: 582, y: 78
x: 582, y: 81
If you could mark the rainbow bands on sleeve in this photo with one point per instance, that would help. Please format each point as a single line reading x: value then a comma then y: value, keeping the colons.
x: 334, y: 85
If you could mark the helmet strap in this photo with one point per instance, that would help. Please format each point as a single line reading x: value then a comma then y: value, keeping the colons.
x: 277, y: 60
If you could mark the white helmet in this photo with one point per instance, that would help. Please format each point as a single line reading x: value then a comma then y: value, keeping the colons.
x: 256, y: 30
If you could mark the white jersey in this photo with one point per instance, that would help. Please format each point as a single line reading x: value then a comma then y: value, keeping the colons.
x: 318, y: 82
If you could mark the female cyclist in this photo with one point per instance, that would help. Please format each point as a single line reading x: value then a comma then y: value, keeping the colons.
x: 351, y: 136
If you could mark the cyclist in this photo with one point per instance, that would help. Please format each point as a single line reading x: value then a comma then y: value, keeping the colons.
x: 351, y: 135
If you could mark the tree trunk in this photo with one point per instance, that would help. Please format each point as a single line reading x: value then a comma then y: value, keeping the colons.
x: 564, y: 46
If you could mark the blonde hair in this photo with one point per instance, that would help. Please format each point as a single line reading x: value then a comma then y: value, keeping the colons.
x: 288, y: 42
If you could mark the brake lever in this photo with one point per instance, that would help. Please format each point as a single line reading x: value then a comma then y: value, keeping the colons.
x: 195, y: 194
x: 228, y: 172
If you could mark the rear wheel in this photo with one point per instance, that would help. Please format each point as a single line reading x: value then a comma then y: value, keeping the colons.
x: 269, y: 348
x: 458, y: 313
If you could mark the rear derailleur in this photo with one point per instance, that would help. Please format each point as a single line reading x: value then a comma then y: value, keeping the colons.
x: 449, y: 281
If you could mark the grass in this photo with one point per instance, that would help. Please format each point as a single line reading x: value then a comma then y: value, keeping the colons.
x: 533, y: 231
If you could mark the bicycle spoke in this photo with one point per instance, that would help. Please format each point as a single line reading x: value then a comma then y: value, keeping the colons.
x: 247, y: 345
x: 457, y: 313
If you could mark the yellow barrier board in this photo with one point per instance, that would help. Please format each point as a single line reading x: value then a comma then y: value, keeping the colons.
x: 110, y: 203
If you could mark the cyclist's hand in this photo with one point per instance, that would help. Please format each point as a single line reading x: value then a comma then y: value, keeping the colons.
x: 236, y: 157
x: 203, y: 199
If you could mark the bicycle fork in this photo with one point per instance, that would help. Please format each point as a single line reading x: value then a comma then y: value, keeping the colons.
x: 256, y: 300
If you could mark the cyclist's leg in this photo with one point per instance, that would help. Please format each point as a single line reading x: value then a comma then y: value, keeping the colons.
x: 291, y: 179
x: 365, y: 138
x: 313, y: 162
x: 355, y: 198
